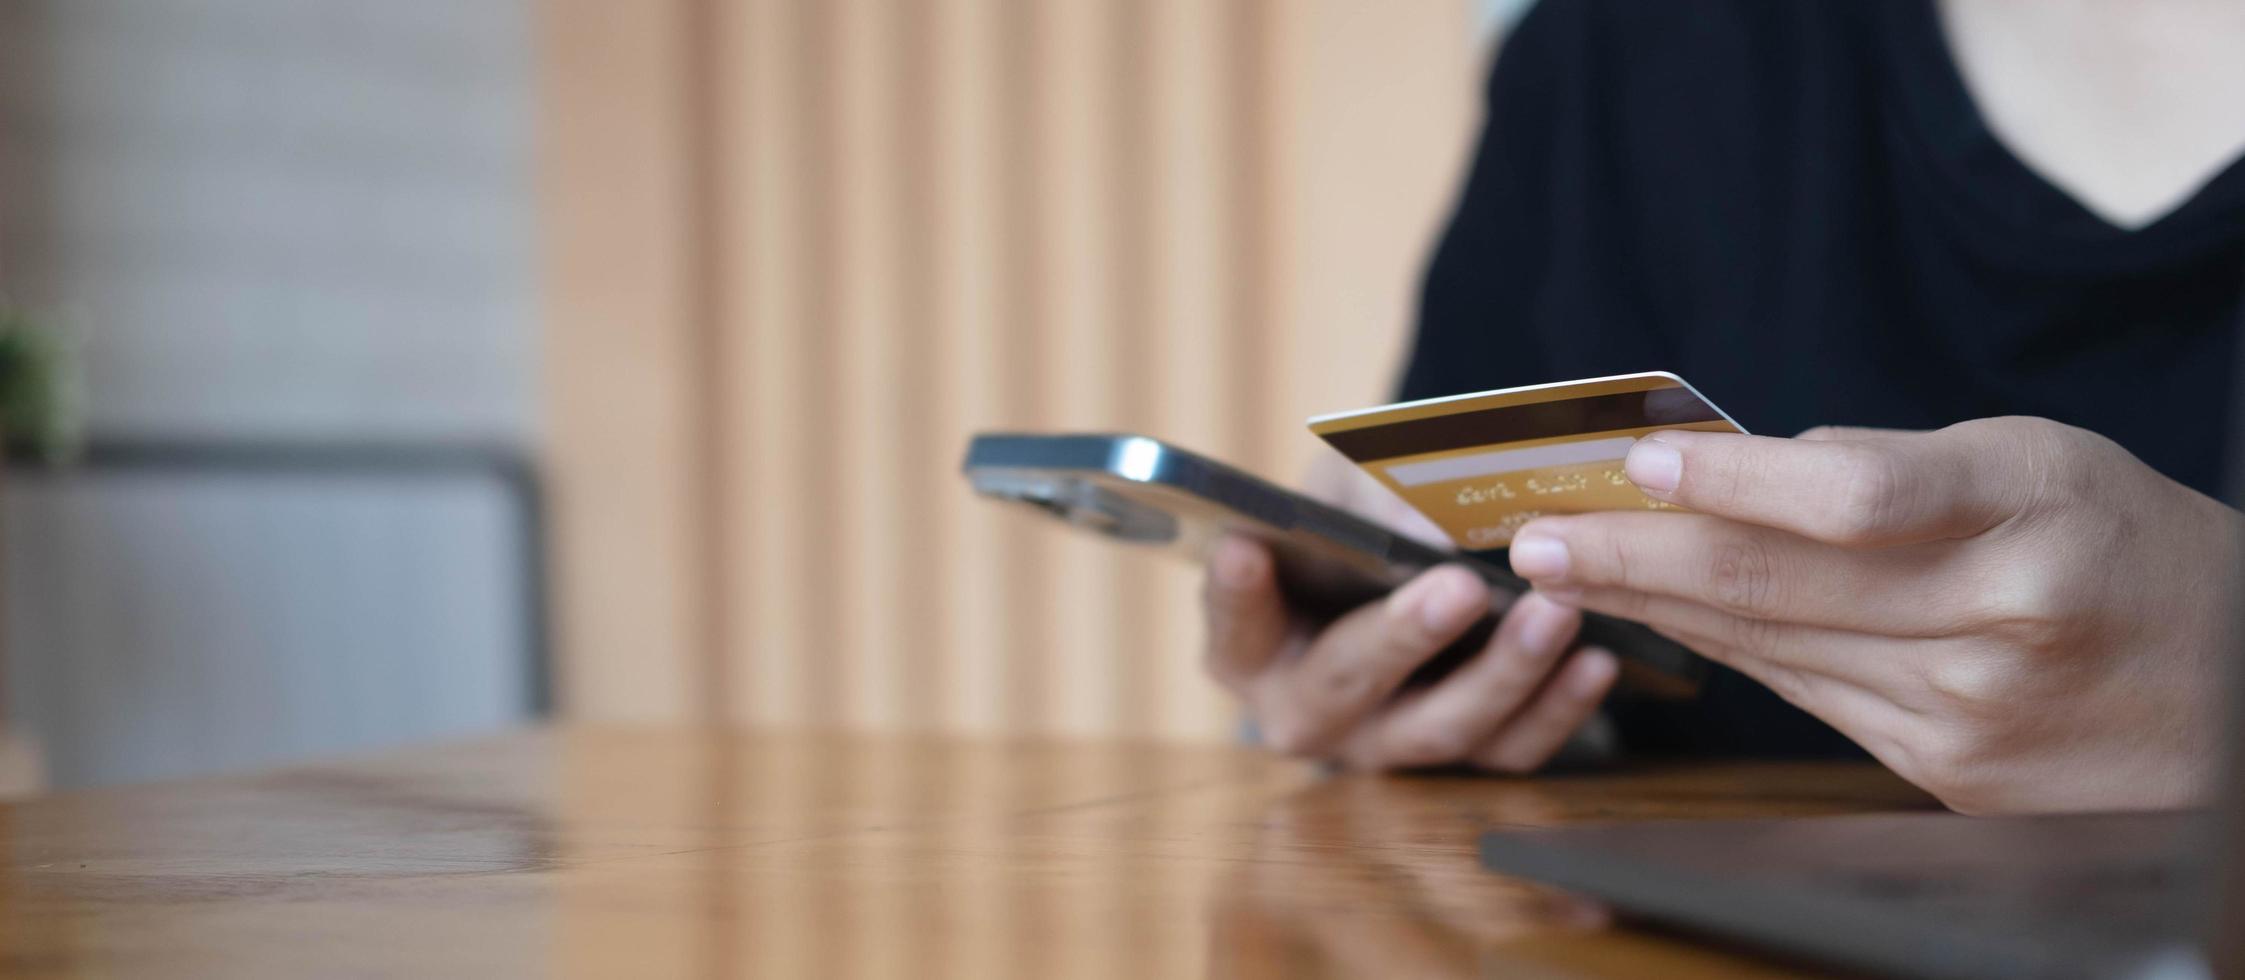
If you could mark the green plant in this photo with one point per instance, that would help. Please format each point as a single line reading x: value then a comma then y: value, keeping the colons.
x: 36, y: 403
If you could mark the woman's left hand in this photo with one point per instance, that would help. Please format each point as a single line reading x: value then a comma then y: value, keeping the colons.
x: 2014, y: 614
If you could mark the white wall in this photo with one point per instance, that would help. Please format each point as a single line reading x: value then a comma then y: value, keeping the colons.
x: 305, y: 221
x: 280, y: 217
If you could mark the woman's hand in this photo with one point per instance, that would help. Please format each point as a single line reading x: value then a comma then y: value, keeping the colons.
x: 1331, y: 690
x: 2014, y: 614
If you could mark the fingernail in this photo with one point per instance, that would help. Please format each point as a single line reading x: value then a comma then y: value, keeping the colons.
x: 1443, y: 603
x: 1539, y: 556
x: 1594, y: 674
x: 1235, y: 563
x: 1565, y: 595
x: 1545, y: 624
x: 1655, y: 467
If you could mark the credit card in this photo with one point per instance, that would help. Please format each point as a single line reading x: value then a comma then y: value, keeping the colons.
x: 1481, y: 465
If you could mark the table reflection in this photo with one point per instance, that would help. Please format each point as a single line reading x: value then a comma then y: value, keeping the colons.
x: 681, y: 853
x: 1369, y: 876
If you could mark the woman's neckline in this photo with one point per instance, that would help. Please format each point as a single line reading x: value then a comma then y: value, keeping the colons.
x: 1963, y: 132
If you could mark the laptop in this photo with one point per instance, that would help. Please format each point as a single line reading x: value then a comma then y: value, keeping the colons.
x: 2146, y: 895
x: 1909, y: 894
x: 2152, y: 895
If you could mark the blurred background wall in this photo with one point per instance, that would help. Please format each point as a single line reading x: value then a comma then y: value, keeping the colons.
x: 357, y: 287
x: 293, y: 242
x: 797, y: 250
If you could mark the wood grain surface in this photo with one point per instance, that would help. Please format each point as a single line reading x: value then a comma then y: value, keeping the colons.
x: 700, y: 853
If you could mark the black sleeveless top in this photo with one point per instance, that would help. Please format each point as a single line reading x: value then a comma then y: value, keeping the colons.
x: 1798, y: 207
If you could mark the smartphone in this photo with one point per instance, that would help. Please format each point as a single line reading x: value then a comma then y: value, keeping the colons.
x: 1146, y: 492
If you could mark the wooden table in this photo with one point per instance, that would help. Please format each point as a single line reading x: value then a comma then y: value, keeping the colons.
x: 660, y: 853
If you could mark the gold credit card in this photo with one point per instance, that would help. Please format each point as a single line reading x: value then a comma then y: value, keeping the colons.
x: 1481, y: 465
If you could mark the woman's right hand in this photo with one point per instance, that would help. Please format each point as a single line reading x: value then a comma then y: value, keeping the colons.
x: 1333, y: 690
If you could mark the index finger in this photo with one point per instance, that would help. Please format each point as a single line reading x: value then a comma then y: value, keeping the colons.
x: 1895, y: 489
x: 1247, y: 620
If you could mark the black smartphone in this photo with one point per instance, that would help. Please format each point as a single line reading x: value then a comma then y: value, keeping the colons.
x: 1147, y: 492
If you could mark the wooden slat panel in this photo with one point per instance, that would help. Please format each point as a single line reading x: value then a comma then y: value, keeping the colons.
x: 1134, y: 340
x: 612, y: 195
x: 818, y: 540
x: 712, y: 160
x: 873, y: 423
x: 1194, y: 357
x: 1377, y: 102
x: 924, y: 579
x: 1080, y: 311
x: 905, y: 220
x: 775, y: 391
x: 969, y: 188
x: 1022, y: 665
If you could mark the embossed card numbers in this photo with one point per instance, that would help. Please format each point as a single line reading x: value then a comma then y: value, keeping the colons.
x: 1481, y: 465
